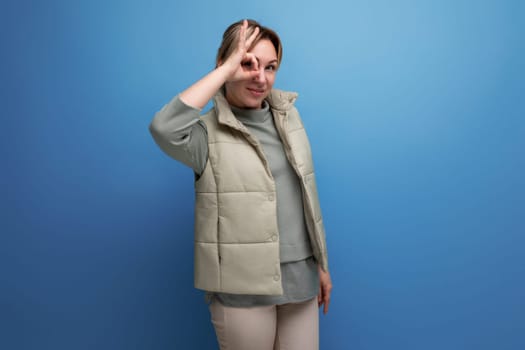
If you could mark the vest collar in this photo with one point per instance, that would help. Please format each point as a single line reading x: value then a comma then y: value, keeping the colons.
x: 281, y: 100
x: 277, y: 99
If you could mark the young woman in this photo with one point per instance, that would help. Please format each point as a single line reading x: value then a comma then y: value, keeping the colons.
x: 260, y: 250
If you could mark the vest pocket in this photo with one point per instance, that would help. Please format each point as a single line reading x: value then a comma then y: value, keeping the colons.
x: 251, y: 268
x: 206, y: 264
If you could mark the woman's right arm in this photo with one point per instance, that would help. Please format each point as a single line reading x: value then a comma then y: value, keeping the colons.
x: 179, y: 132
x: 177, y: 128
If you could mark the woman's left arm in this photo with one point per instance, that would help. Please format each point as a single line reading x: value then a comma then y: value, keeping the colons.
x: 325, y: 289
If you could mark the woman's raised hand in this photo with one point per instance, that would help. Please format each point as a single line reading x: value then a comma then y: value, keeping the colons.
x: 241, y: 64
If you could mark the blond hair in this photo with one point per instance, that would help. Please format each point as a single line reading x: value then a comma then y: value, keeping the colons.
x: 229, y: 40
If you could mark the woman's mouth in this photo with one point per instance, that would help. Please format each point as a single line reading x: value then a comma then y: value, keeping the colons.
x: 256, y: 92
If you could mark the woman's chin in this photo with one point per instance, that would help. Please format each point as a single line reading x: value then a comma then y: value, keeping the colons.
x: 252, y: 103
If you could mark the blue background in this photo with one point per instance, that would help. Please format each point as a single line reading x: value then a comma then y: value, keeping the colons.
x: 416, y: 115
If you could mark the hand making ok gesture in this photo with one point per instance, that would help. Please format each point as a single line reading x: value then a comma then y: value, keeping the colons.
x: 241, y: 64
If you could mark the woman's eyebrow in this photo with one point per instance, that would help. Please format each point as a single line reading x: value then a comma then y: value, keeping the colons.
x: 272, y: 61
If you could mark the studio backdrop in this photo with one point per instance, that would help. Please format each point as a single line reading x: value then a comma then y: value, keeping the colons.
x: 416, y: 116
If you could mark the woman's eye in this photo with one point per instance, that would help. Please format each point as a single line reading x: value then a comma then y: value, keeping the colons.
x: 270, y: 68
x: 247, y: 64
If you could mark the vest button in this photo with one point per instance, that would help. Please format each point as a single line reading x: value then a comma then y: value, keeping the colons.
x: 274, y: 238
x: 271, y: 197
x: 276, y: 277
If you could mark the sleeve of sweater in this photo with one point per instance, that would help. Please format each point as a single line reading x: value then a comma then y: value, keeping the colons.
x: 179, y: 132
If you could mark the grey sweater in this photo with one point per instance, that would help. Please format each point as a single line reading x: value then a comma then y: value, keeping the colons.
x: 189, y: 145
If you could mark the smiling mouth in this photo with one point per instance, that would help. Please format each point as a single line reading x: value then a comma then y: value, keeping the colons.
x: 256, y: 92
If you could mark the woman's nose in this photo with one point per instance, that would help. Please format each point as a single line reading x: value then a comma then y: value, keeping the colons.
x: 260, y: 75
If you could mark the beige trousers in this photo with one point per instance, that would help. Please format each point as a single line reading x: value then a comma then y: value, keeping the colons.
x: 293, y: 326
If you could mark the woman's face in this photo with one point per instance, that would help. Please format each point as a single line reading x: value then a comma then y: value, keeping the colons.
x: 249, y: 94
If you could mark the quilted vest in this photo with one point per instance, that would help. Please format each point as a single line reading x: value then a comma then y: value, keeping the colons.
x: 236, y: 233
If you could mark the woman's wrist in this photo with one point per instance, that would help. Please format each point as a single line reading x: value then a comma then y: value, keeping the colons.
x: 225, y: 71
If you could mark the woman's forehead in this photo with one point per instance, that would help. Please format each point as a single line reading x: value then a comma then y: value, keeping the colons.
x: 264, y: 51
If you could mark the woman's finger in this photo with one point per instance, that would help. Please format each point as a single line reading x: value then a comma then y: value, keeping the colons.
x: 253, y: 60
x: 326, y: 304
x: 252, y: 38
x: 326, y: 297
x: 242, y: 34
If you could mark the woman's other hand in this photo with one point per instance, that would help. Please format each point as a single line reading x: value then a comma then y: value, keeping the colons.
x: 325, y: 289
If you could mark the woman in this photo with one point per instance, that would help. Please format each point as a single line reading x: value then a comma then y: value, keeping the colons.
x: 260, y: 250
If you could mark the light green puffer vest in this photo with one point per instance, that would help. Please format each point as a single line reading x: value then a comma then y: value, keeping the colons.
x: 236, y: 234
